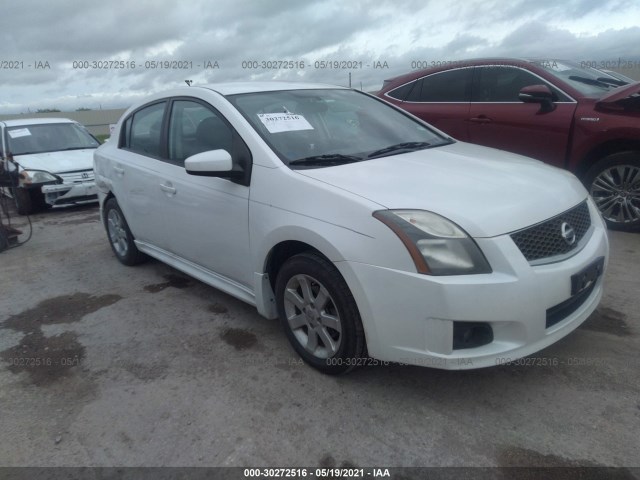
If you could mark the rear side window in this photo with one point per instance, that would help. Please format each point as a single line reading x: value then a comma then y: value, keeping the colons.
x: 401, y: 93
x: 143, y: 131
x: 448, y: 86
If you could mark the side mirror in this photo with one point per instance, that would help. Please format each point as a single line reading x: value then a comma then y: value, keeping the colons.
x: 212, y: 163
x: 538, y: 94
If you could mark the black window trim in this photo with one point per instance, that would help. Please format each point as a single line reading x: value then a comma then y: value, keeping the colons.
x: 546, y: 82
x: 126, y: 136
x: 422, y: 78
x: 164, y: 133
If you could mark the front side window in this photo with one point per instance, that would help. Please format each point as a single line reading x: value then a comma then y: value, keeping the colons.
x: 48, y: 137
x: 195, y: 128
x: 311, y: 128
x: 502, y: 84
x: 143, y: 133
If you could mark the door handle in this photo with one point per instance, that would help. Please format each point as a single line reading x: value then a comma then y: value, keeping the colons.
x: 119, y: 171
x: 168, y: 188
x: 480, y: 119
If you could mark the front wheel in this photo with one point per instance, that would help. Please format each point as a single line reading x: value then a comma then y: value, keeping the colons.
x: 614, y: 184
x: 120, y: 236
x: 319, y: 315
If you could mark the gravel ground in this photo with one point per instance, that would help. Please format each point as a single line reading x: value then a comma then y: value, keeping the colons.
x: 152, y: 368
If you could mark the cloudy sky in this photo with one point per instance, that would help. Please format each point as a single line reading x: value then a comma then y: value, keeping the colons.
x: 44, y: 43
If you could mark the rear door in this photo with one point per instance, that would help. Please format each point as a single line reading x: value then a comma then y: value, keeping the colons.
x: 441, y: 99
x: 498, y: 118
x: 137, y: 169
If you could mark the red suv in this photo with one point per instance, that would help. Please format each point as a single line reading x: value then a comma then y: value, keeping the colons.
x: 560, y: 112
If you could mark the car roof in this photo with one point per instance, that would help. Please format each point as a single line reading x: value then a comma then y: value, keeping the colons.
x: 34, y: 121
x: 232, y: 88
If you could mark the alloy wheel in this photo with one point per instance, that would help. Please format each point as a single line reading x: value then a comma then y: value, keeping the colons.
x: 616, y: 192
x: 117, y: 232
x: 312, y: 316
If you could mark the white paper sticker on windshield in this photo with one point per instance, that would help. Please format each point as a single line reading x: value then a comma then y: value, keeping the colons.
x: 560, y: 67
x: 19, y: 132
x: 284, y: 122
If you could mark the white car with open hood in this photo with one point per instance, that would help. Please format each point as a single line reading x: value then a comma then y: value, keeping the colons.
x: 54, y: 160
x: 370, y: 234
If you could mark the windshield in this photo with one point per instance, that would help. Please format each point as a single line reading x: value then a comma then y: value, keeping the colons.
x: 588, y: 81
x: 48, y: 137
x: 315, y: 128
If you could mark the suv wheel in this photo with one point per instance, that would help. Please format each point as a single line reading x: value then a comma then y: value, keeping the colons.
x: 614, y: 184
x: 319, y: 314
x: 120, y: 237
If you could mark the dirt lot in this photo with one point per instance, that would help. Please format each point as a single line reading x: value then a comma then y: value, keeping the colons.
x: 146, y: 367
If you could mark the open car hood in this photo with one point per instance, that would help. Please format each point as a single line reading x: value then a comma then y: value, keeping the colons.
x: 620, y: 94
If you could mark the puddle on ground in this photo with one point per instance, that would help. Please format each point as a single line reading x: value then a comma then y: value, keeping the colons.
x: 173, y: 280
x: 608, y: 320
x: 327, y: 461
x: 62, y: 309
x: 146, y: 372
x: 88, y: 219
x: 238, y: 338
x: 558, y: 467
x: 217, y: 308
x: 46, y: 359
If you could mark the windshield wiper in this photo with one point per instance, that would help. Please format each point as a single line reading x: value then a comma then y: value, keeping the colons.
x: 327, y: 159
x: 405, y: 147
x: 613, y: 81
x: 590, y: 81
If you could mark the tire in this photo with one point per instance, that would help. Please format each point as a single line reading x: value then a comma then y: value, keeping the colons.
x: 23, y: 200
x: 119, y: 235
x: 327, y: 336
x: 4, y: 239
x: 614, y: 184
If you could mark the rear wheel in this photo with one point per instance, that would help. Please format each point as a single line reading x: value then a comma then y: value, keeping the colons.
x: 120, y: 236
x: 319, y: 314
x: 614, y: 184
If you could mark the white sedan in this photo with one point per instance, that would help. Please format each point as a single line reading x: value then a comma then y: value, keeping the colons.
x: 54, y: 159
x: 369, y: 233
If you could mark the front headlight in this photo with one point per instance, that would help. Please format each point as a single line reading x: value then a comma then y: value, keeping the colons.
x: 437, y: 246
x: 29, y: 177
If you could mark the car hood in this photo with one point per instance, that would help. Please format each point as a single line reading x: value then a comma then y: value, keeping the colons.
x: 620, y: 93
x: 58, y: 162
x: 487, y: 192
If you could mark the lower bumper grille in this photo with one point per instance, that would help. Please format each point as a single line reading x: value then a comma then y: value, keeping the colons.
x: 562, y: 310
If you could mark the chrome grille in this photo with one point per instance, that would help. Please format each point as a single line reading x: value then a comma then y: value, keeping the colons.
x: 78, y: 176
x: 545, y: 240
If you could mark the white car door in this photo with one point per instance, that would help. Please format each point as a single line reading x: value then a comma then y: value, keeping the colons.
x: 137, y: 172
x: 208, y: 217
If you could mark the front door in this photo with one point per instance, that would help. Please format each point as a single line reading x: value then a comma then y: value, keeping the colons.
x: 499, y: 119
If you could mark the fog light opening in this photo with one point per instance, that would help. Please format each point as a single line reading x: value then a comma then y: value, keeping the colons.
x: 471, y: 334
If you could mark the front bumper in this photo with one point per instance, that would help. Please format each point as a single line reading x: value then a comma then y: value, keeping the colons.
x: 409, y: 317
x: 65, y: 193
